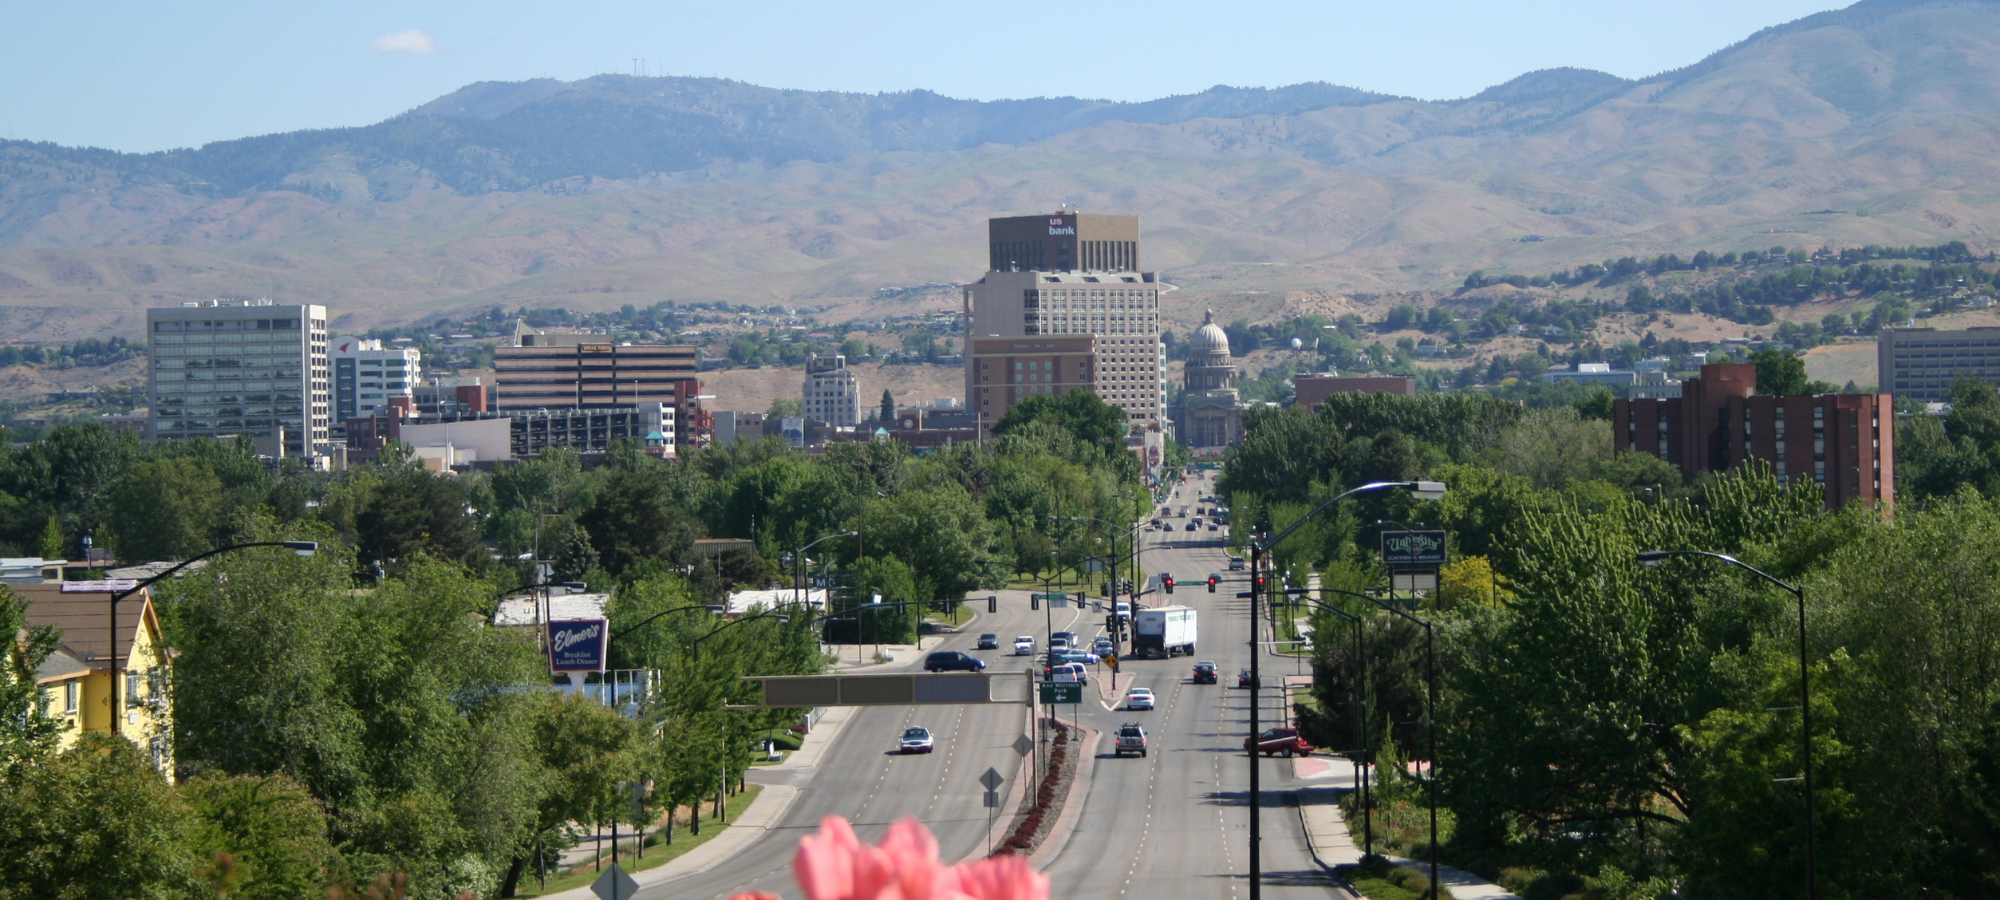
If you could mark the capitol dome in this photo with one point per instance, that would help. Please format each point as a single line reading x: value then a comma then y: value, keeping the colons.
x: 1209, y: 339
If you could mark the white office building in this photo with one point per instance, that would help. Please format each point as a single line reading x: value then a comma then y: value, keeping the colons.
x: 367, y: 377
x: 224, y: 368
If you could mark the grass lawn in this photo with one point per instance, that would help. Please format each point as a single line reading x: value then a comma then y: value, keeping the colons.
x: 657, y: 853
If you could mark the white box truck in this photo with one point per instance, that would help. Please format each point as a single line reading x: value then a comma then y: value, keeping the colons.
x: 1163, y: 631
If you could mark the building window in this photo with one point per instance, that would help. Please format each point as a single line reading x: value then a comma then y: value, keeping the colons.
x: 70, y: 697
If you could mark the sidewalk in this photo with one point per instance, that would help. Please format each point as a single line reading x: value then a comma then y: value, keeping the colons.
x: 1333, y: 845
x: 764, y: 812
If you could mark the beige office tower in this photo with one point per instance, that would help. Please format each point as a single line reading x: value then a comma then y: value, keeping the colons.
x: 1066, y: 273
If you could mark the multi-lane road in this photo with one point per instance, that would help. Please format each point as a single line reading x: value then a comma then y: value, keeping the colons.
x: 1172, y: 823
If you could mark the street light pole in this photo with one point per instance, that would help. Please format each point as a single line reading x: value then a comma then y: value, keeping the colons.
x: 302, y: 548
x: 1425, y: 490
x: 1654, y: 558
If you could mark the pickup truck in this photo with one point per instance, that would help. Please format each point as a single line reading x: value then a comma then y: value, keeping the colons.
x: 1131, y: 739
x: 1279, y: 740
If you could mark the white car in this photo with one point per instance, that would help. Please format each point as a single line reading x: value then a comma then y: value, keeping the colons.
x: 917, y: 740
x: 1139, y: 698
x: 1024, y: 645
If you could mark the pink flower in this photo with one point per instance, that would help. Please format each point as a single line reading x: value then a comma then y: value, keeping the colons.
x: 835, y: 865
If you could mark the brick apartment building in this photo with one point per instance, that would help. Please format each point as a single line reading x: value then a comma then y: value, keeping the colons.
x: 1845, y: 442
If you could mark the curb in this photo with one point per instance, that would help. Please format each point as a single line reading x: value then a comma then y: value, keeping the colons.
x: 1073, y: 801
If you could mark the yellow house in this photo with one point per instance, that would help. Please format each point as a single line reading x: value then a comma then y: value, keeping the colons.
x: 80, y: 678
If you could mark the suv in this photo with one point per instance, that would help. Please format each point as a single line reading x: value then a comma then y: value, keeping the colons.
x: 1131, y: 739
x: 953, y: 661
x: 988, y: 642
x: 1024, y: 645
x: 1068, y: 672
x: 1067, y: 637
x: 1279, y: 740
x: 1204, y: 672
x: 1236, y: 564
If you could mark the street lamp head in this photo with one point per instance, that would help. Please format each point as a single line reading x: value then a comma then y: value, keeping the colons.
x: 1651, y: 558
x: 1427, y: 490
x: 303, y: 548
x: 717, y: 609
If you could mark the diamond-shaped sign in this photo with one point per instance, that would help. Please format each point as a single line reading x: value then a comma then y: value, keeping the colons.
x: 614, y: 884
x: 1024, y: 745
x: 992, y: 779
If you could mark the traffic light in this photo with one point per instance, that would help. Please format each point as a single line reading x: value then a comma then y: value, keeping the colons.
x: 1211, y: 583
x: 992, y: 603
x: 1258, y: 583
x: 1111, y: 623
x: 1167, y: 581
x: 1034, y: 602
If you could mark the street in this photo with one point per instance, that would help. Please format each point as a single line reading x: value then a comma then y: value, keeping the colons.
x: 1153, y: 825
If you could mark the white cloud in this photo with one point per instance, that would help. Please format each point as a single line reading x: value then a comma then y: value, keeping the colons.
x: 416, y: 40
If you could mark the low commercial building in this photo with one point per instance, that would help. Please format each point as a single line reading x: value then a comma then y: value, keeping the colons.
x: 96, y: 665
x: 1594, y: 373
x: 1311, y: 391
x: 528, y: 431
x: 1844, y: 442
x: 1922, y: 362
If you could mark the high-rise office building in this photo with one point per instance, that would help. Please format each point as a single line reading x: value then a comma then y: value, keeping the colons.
x: 225, y: 368
x: 832, y: 393
x: 1069, y: 273
x: 367, y: 377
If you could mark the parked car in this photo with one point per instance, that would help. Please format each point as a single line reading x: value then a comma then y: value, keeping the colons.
x: 988, y: 641
x: 1024, y: 645
x: 953, y: 661
x: 1204, y: 672
x: 1131, y: 739
x: 1279, y: 740
x: 917, y: 739
x: 1139, y: 698
x: 1236, y: 564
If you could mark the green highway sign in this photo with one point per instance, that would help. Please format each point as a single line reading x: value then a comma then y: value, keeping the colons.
x: 1061, y: 692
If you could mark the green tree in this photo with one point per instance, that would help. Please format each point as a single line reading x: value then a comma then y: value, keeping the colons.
x: 267, y: 833
x: 942, y: 535
x: 887, y: 412
x: 27, y: 732
x: 636, y: 516
x: 584, y: 748
x: 1782, y: 373
x: 164, y: 509
x: 785, y: 408
x: 411, y: 512
x: 95, y: 821
x: 1080, y: 412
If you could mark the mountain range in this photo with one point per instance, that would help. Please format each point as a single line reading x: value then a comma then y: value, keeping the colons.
x: 1872, y: 124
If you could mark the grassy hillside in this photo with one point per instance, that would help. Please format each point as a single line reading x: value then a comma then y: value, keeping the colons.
x: 1873, y: 125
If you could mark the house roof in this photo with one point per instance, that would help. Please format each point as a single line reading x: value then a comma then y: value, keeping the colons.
x: 60, y: 666
x: 83, y: 617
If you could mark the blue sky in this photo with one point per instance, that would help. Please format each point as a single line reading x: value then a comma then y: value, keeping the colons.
x: 149, y: 75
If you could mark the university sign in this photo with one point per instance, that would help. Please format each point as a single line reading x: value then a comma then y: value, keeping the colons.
x: 1410, y: 549
x: 578, y: 645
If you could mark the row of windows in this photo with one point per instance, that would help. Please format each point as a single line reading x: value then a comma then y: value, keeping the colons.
x: 226, y: 325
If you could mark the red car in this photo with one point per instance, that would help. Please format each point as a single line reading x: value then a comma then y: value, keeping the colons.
x: 1279, y: 740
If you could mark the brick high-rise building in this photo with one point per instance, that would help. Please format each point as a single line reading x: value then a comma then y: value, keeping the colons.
x: 1070, y: 274
x: 1845, y: 442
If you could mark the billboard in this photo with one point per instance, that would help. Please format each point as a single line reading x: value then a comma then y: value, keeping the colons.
x: 578, y: 645
x: 1413, y: 549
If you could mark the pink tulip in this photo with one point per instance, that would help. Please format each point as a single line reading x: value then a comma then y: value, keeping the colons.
x: 835, y: 865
